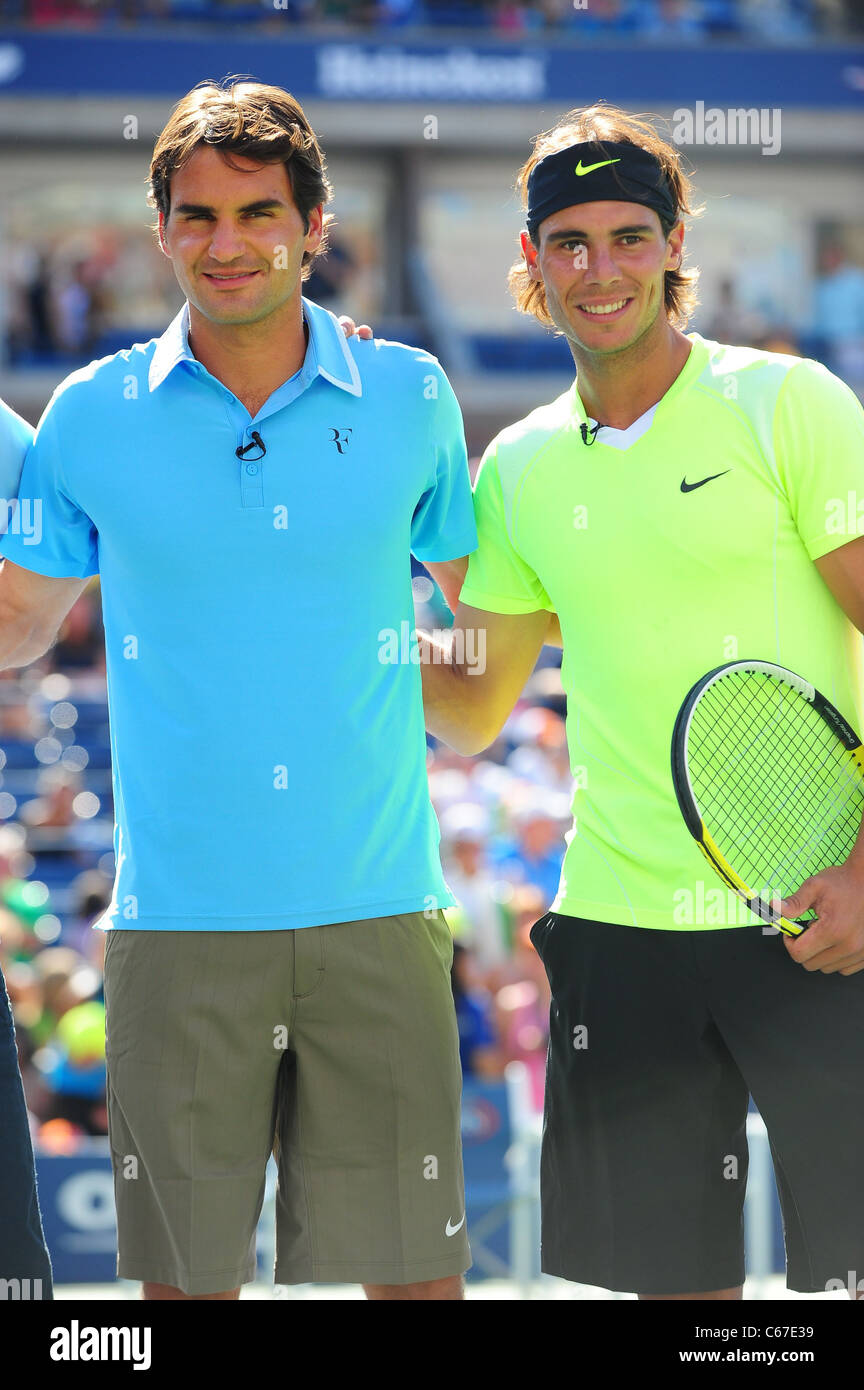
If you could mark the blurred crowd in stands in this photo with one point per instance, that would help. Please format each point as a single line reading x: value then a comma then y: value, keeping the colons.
x: 56, y: 305
x: 83, y: 292
x: 56, y: 871
x: 673, y: 19
x: 67, y: 302
x: 834, y: 334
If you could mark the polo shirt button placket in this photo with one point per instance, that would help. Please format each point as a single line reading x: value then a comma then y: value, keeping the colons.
x: 251, y: 481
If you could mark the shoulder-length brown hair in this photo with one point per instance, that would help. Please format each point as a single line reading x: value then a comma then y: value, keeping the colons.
x: 242, y: 117
x: 598, y: 123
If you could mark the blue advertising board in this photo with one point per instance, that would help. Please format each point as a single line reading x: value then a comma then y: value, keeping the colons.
x: 76, y: 1195
x: 107, y: 64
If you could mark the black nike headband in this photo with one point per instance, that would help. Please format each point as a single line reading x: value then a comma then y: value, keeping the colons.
x: 607, y: 171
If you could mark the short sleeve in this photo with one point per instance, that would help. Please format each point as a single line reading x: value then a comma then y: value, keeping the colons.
x: 498, y: 579
x: 442, y: 527
x: 49, y: 532
x: 819, y: 452
x: 15, y: 439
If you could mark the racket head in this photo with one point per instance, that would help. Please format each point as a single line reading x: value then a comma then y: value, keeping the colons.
x: 769, y: 779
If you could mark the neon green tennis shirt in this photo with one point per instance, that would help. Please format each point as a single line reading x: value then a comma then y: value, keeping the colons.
x: 691, y: 547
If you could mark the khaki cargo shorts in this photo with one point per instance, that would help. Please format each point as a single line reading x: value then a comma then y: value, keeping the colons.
x: 334, y: 1047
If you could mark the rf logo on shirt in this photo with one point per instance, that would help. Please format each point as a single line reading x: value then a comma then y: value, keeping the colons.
x: 341, y: 438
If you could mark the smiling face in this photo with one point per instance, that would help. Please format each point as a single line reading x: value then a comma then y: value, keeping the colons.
x: 602, y: 266
x: 235, y: 237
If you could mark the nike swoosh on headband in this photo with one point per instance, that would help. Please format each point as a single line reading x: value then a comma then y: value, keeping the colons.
x: 589, y: 168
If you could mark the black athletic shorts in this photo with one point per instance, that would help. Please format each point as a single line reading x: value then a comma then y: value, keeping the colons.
x: 657, y: 1039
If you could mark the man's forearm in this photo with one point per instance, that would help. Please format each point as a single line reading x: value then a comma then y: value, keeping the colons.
x: 19, y: 642
x: 855, y: 857
x: 451, y: 703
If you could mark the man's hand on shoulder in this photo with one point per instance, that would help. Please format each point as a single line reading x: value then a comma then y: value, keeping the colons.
x: 350, y: 328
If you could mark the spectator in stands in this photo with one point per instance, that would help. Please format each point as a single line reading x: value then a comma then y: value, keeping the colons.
x: 20, y: 725
x: 541, y: 755
x: 54, y: 806
x: 26, y: 998
x: 535, y: 854
x: 74, y: 312
x: 599, y: 17
x: 464, y: 830
x: 24, y: 904
x: 777, y: 19
x: 91, y: 894
x: 672, y: 19
x: 522, y: 1005
x: 510, y: 17
x: 392, y: 13
x: 31, y: 326
x: 67, y: 980
x: 74, y: 1070
x: 329, y: 280
x: 730, y: 322
x: 76, y: 12
x: 838, y: 313
x: 478, y: 1052
x: 556, y: 12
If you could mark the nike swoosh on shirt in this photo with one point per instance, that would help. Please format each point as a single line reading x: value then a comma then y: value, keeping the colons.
x: 688, y: 487
x: 589, y: 168
x: 451, y: 1230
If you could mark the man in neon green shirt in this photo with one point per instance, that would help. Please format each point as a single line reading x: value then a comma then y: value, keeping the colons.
x: 684, y: 503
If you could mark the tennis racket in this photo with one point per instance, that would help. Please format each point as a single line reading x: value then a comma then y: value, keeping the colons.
x: 770, y: 782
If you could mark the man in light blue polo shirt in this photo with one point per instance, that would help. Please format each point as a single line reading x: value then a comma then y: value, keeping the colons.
x: 249, y: 487
x: 24, y: 1261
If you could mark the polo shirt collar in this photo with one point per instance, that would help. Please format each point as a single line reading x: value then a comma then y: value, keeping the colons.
x: 328, y: 354
x: 171, y: 348
x: 329, y: 350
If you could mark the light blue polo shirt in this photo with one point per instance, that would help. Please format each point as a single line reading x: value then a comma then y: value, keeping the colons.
x: 15, y: 438
x: 268, y: 744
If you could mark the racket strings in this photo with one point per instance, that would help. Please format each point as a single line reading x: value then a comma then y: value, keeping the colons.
x: 782, y: 796
x: 815, y: 755
x: 793, y: 830
x: 813, y: 791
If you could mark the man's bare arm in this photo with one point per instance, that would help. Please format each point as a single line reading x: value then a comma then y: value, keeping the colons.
x: 472, y: 682
x: 449, y: 575
x: 843, y: 572
x: 32, y: 607
x: 834, y: 944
